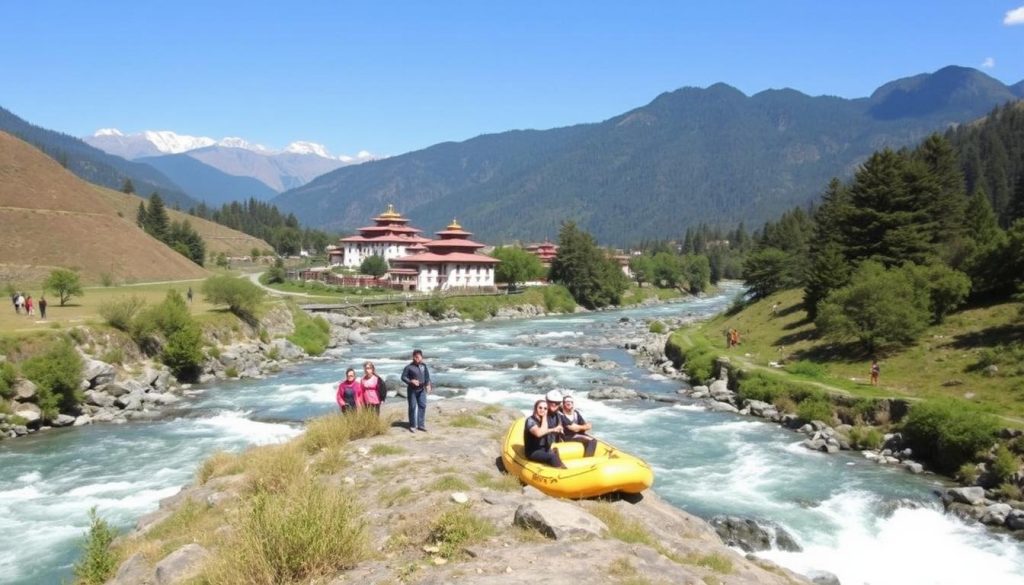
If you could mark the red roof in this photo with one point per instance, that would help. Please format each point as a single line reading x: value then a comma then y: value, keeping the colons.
x: 454, y: 243
x: 450, y: 232
x: 400, y: 238
x: 398, y: 229
x: 449, y: 257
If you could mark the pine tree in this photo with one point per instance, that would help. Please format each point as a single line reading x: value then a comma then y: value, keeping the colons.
x: 592, y: 278
x: 947, y: 207
x: 128, y: 187
x: 828, y: 268
x: 141, y: 217
x: 158, y: 224
x: 1015, y: 209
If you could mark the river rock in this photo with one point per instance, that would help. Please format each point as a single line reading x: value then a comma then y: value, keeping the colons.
x: 286, y: 350
x: 913, y: 467
x: 134, y: 571
x: 63, y: 420
x: 1015, y: 520
x: 28, y: 411
x: 818, y: 444
x: 823, y: 578
x: 24, y: 390
x: 131, y: 401
x: 720, y: 388
x: 759, y: 408
x: 558, y: 520
x: 613, y: 393
x: 995, y: 514
x: 972, y: 496
x: 752, y: 536
x: 82, y: 420
x: 98, y: 373
x: 181, y: 565
x: 718, y: 406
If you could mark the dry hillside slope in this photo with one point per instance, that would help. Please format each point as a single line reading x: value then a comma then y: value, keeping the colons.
x: 50, y: 218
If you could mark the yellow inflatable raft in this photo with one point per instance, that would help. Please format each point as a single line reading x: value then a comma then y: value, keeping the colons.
x: 609, y: 470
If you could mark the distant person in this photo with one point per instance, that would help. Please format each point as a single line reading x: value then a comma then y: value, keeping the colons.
x: 19, y: 303
x: 350, y: 392
x: 875, y: 370
x: 775, y: 309
x: 575, y: 427
x: 374, y: 390
x: 14, y: 301
x: 416, y: 376
x: 539, y: 435
x: 189, y: 295
x: 30, y: 308
x: 42, y: 308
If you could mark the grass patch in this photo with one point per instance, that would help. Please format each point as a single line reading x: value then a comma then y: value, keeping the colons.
x: 335, y: 430
x: 490, y: 410
x: 384, y: 449
x: 273, y: 468
x: 503, y: 482
x: 456, y: 528
x: 693, y: 353
x: 807, y: 368
x: 312, y: 334
x: 467, y: 420
x: 448, y: 483
x: 330, y: 461
x: 306, y: 533
x: 716, y: 562
x: 398, y: 496
x: 219, y: 464
x: 621, y: 527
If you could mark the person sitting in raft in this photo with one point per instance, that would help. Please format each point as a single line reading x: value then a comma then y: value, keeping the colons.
x: 540, y: 433
x: 575, y: 427
x: 350, y: 392
x: 554, y: 398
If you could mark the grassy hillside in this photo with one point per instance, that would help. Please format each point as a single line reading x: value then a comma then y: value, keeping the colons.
x: 949, y: 360
x: 51, y: 218
x: 218, y: 238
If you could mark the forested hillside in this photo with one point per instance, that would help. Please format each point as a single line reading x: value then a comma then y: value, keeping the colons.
x: 691, y: 156
x: 94, y: 165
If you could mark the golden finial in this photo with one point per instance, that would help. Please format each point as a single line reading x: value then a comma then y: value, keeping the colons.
x: 454, y: 225
x: 391, y: 211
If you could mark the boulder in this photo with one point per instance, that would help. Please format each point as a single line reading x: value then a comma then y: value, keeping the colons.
x: 134, y: 571
x: 759, y: 408
x: 1015, y: 520
x: 355, y: 338
x: 612, y: 393
x: 965, y: 511
x: 716, y: 406
x: 913, y: 467
x: 24, y: 390
x: 815, y: 444
x: 98, y: 373
x: 162, y: 381
x: 995, y: 515
x: 559, y: 520
x: 823, y: 578
x: 752, y: 536
x: 82, y: 420
x: 28, y: 411
x: 287, y: 350
x: 720, y: 387
x: 131, y: 401
x: 63, y: 420
x: 972, y: 496
x: 181, y: 565
x: 116, y: 389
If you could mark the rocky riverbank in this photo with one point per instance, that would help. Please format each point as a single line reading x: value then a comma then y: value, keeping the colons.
x: 140, y: 387
x: 435, y: 508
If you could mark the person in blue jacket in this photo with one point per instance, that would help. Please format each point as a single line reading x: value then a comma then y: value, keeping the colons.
x: 416, y: 376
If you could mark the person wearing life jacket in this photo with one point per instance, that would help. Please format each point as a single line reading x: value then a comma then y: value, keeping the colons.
x: 374, y: 390
x: 540, y: 433
x: 575, y: 427
x: 350, y: 392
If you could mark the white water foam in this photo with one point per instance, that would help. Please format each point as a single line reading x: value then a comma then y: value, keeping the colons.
x: 233, y: 425
x: 921, y: 546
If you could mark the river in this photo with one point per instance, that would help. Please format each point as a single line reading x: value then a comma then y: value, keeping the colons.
x: 861, y: 521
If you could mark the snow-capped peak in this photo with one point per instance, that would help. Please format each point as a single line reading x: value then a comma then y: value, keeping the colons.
x: 303, y: 147
x: 236, y: 142
x: 108, y: 132
x: 173, y: 143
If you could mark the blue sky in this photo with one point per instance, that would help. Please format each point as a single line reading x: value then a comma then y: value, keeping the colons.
x: 390, y: 77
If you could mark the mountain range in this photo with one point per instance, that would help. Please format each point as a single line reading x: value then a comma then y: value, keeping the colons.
x: 694, y: 155
x: 225, y: 170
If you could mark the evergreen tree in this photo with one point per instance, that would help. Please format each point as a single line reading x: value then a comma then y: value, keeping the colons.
x: 157, y: 224
x: 141, y: 217
x: 374, y: 266
x: 128, y: 187
x: 947, y: 208
x: 592, y: 278
x: 1015, y: 209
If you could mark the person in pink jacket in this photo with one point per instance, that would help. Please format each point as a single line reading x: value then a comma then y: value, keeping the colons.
x: 350, y: 392
x: 374, y: 390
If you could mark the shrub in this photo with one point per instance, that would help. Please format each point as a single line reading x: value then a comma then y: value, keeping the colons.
x: 305, y: 534
x: 114, y: 355
x: 558, y: 299
x: 761, y: 386
x: 107, y: 279
x: 863, y: 437
x: 310, y: 334
x: 948, y: 432
x: 241, y: 296
x: 7, y: 377
x: 183, y: 352
x: 457, y: 528
x: 98, y: 562
x: 806, y: 368
x: 699, y: 361
x: 435, y: 306
x: 1009, y: 491
x: 1004, y: 464
x: 815, y: 409
x: 335, y: 430
x: 170, y: 316
x: 120, y: 313
x: 968, y: 474
x: 273, y: 468
x: 657, y: 327
x: 231, y: 372
x: 374, y: 266
x: 57, y: 374
x: 784, y: 404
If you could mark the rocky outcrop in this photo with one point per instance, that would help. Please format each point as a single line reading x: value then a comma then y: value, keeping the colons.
x: 752, y: 536
x: 558, y: 520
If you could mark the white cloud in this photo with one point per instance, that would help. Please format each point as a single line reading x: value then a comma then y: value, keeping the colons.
x: 988, y: 63
x: 1015, y: 16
